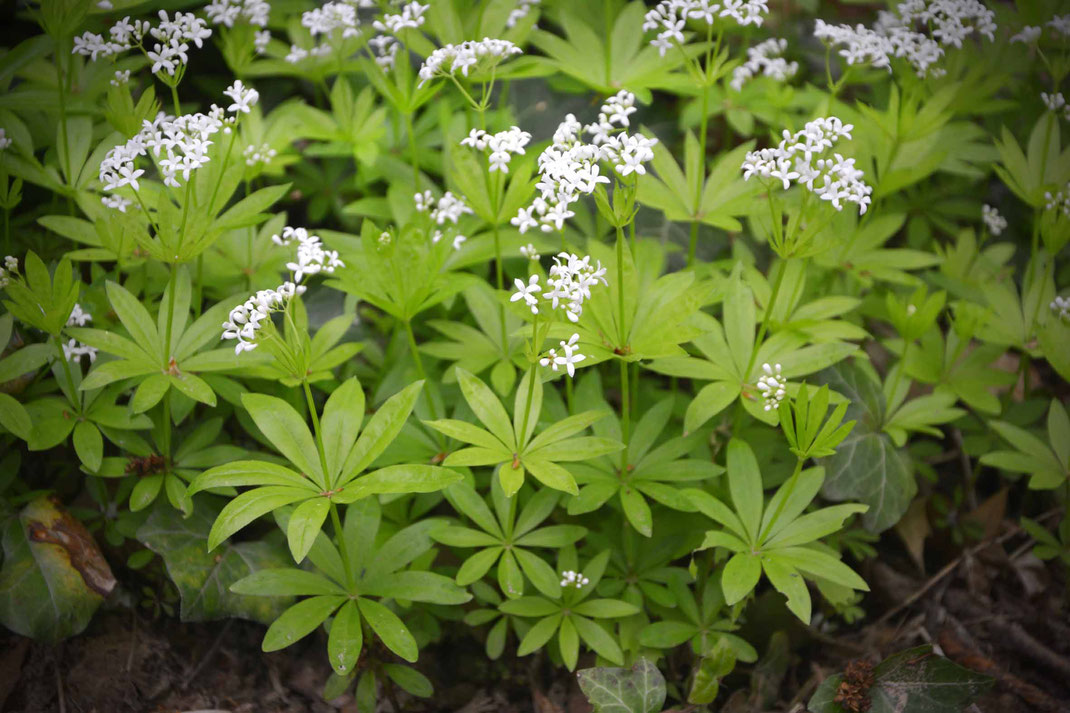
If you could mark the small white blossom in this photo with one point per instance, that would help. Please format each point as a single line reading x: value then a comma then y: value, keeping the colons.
x: 764, y: 59
x: 1061, y: 24
x: 502, y: 145
x: 246, y: 319
x: 1061, y: 307
x: 244, y: 97
x: 1060, y: 200
x: 669, y: 17
x: 115, y: 202
x: 529, y: 252
x: 258, y: 155
x: 312, y: 258
x: 573, y: 579
x: 570, y: 281
x: 570, y: 358
x: 120, y: 78
x: 5, y: 140
x: 798, y: 159
x: 74, y: 350
x: 261, y: 40
x: 449, y: 59
x: 521, y: 11
x: 458, y: 241
x: 411, y: 16
x: 994, y: 222
x: 528, y: 292
x: 772, y: 385
x: 1028, y: 35
x: 227, y: 12
x: 9, y: 270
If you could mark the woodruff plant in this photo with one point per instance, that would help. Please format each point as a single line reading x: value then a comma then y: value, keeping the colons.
x: 615, y: 376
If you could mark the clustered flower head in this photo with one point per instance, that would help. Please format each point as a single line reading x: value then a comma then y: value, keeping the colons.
x: 764, y: 59
x: 670, y: 17
x: 573, y: 579
x: 227, y: 12
x: 328, y: 24
x: 521, y: 11
x: 411, y: 16
x: 1056, y: 102
x: 569, y: 167
x: 312, y: 258
x: 449, y: 207
x: 569, y: 285
x: 120, y: 78
x: 772, y: 385
x: 1061, y: 307
x: 168, y: 53
x: 258, y: 155
x: 948, y: 22
x: 994, y: 222
x: 1060, y: 200
x: 797, y: 159
x: 115, y: 203
x: 449, y: 59
x: 502, y: 145
x: 529, y: 252
x: 5, y: 140
x: 179, y: 144
x: 246, y: 319
x: 567, y: 359
x: 73, y: 350
x: 8, y: 271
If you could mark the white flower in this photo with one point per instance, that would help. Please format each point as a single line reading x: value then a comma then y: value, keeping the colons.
x: 1060, y: 200
x: 120, y: 78
x: 458, y: 241
x: 529, y: 251
x: 570, y: 281
x: 78, y: 317
x: 5, y: 140
x: 573, y: 579
x: 227, y: 12
x: 411, y: 15
x: 450, y: 208
x: 451, y: 58
x: 244, y: 97
x: 994, y: 222
x: 73, y: 349
x: 173, y: 38
x: 1054, y: 101
x: 764, y: 59
x: 528, y: 292
x: 772, y: 384
x: 258, y: 155
x: 261, y: 40
x: 502, y: 145
x: 116, y: 202
x: 524, y: 220
x: 1061, y: 24
x: 245, y: 320
x: 1028, y: 35
x: 798, y: 158
x: 1061, y: 307
x: 9, y: 270
x: 669, y: 17
x: 312, y: 258
x: 570, y: 358
x: 520, y: 12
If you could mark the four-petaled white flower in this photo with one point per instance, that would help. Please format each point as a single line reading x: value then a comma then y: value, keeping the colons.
x: 528, y: 292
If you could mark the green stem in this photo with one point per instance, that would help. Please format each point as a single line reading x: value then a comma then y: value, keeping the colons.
x: 67, y: 372
x: 764, y: 327
x: 620, y: 286
x: 692, y: 243
x: 783, y: 501
x: 172, y: 287
x: 415, y: 352
x: 339, y: 536
x: 625, y: 415
x: 531, y: 377
x: 174, y: 98
x: 316, y: 430
x: 222, y: 170
x: 901, y: 367
x: 410, y: 130
x: 62, y: 86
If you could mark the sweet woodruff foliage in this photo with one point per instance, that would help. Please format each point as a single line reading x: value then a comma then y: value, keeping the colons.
x: 356, y: 335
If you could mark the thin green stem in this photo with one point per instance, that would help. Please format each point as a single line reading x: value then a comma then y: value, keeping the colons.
x: 67, y: 372
x: 172, y: 288
x: 411, y: 131
x: 534, y: 356
x: 61, y: 82
x: 316, y: 430
x: 620, y: 286
x: 222, y: 170
x: 764, y: 326
x: 414, y: 351
x: 174, y: 98
x: 692, y: 243
x: 340, y: 538
x: 783, y: 501
x: 625, y: 415
x: 900, y: 368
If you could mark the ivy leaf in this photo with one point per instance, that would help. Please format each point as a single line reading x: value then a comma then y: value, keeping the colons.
x: 867, y: 467
x: 912, y: 681
x: 54, y: 576
x: 203, y: 578
x: 639, y: 689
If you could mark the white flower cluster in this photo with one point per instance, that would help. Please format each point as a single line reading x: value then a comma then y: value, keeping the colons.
x: 568, y: 168
x: 227, y: 12
x: 450, y: 58
x: 386, y: 50
x: 331, y: 22
x: 502, y: 145
x: 120, y: 78
x: 168, y: 53
x: 182, y: 141
x: 312, y: 258
x: 670, y: 16
x: 245, y: 319
x: 411, y: 16
x: 529, y: 252
x: 1060, y: 200
x: 448, y: 208
x: 567, y: 359
x: 948, y: 22
x: 9, y: 270
x: 994, y: 222
x: 832, y: 179
x: 573, y: 579
x: 569, y: 284
x: 1061, y: 307
x: 772, y: 384
x: 261, y: 40
x: 1056, y: 102
x: 74, y: 350
x: 1028, y: 35
x: 5, y: 140
x: 1061, y: 24
x: 258, y: 155
x: 115, y: 203
x: 764, y: 59
x: 520, y: 12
